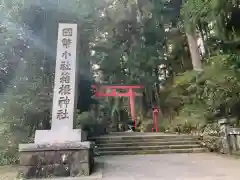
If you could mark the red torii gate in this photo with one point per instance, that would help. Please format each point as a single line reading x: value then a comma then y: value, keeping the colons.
x: 99, y: 92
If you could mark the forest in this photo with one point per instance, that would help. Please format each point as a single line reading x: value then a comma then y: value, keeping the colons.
x: 184, y: 52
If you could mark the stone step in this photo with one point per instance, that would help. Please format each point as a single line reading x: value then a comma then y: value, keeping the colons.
x: 139, y: 148
x: 103, y: 140
x: 162, y: 151
x: 148, y: 143
x: 140, y: 136
x: 143, y: 134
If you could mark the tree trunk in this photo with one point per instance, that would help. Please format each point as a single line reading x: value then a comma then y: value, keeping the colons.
x: 194, y: 51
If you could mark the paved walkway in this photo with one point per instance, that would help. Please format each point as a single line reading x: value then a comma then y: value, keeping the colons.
x: 158, y: 167
x: 171, y: 167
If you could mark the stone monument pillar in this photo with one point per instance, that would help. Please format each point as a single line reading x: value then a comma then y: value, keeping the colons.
x: 64, y: 91
x: 61, y: 151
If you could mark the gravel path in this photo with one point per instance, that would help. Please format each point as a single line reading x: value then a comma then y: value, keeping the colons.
x: 171, y: 167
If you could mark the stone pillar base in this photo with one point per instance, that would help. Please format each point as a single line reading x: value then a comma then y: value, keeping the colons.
x: 71, y: 159
x: 59, y: 136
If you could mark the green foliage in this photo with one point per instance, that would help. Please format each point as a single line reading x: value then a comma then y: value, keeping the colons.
x: 210, y: 137
x: 212, y: 129
x: 90, y: 124
x: 213, y: 143
x: 146, y: 125
x: 216, y: 89
x: 194, y: 11
x: 85, y: 120
x: 8, y: 157
x: 182, y: 125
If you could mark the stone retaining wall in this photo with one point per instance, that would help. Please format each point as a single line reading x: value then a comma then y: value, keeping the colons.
x: 227, y: 143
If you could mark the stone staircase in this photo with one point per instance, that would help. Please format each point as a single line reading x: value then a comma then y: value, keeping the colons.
x: 146, y: 143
